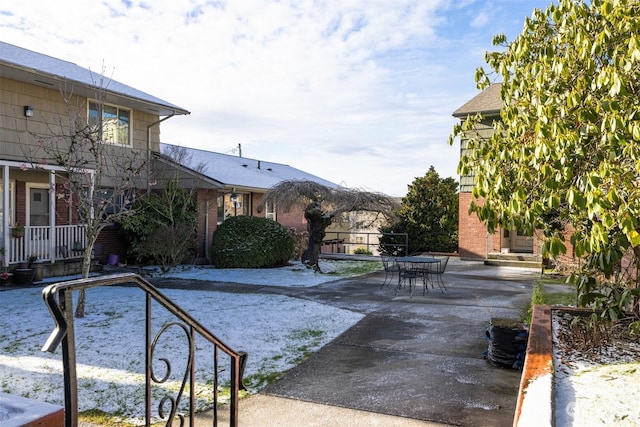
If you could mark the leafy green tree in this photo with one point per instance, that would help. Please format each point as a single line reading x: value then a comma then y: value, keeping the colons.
x: 164, y: 226
x: 428, y: 214
x: 567, y: 146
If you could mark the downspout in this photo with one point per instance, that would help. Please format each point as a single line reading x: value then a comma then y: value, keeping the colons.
x: 206, y: 230
x: 5, y: 217
x: 149, y: 148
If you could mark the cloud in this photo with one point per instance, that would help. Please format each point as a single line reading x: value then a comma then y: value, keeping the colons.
x: 352, y: 91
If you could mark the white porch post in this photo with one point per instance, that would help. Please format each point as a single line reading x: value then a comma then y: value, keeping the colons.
x: 52, y: 217
x: 5, y: 216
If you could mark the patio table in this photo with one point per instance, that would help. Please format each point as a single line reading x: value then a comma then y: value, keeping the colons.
x: 413, y: 267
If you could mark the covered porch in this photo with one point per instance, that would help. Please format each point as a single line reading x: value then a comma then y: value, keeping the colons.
x: 38, y: 215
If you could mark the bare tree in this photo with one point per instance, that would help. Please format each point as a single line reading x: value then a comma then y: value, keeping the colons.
x: 181, y: 155
x: 96, y: 177
x: 324, y: 205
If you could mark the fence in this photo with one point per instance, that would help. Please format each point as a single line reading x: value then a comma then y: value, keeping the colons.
x: 348, y: 242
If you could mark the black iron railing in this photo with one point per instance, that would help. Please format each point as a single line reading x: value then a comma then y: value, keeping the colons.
x: 348, y: 242
x: 58, y: 298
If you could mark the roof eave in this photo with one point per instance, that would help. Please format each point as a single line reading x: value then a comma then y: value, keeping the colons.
x: 51, y: 81
x: 487, y: 113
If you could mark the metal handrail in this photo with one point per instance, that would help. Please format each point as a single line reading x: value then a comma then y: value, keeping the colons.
x: 58, y: 298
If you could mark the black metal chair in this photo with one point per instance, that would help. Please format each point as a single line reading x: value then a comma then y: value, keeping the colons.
x: 408, y: 275
x: 391, y: 268
x: 437, y: 271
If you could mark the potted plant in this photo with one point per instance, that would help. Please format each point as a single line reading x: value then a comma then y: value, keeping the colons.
x: 36, y: 266
x: 5, y: 276
x: 17, y: 231
x: 23, y: 276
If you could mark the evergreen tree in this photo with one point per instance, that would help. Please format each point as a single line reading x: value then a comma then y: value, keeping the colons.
x: 428, y: 214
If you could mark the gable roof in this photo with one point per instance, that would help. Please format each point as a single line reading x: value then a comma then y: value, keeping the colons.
x: 487, y: 102
x: 246, y: 173
x: 45, y: 71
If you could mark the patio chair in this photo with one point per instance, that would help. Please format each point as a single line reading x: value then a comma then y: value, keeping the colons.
x: 391, y: 268
x: 437, y: 271
x: 409, y: 274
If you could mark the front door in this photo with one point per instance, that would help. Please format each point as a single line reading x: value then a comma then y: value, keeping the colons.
x: 520, y: 242
x: 38, y: 218
x: 38, y: 206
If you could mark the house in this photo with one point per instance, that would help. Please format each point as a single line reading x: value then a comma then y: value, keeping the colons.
x: 474, y: 240
x: 36, y: 91
x: 32, y: 86
x: 241, y: 183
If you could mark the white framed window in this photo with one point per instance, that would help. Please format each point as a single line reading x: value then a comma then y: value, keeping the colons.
x: 232, y: 204
x: 113, y: 122
x: 270, y: 210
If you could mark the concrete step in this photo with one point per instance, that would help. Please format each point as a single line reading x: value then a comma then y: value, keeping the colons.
x: 513, y: 263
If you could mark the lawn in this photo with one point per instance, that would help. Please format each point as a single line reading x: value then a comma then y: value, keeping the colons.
x: 277, y: 331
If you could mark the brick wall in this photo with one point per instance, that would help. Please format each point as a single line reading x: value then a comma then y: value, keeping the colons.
x: 472, y: 240
x: 111, y: 241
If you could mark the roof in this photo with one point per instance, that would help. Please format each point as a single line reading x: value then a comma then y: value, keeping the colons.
x: 487, y: 102
x: 45, y: 71
x: 246, y: 173
x: 167, y: 168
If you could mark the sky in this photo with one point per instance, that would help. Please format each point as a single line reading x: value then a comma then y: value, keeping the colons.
x: 357, y: 92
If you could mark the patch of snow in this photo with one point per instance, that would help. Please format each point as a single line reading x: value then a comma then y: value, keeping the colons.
x: 294, y: 275
x: 275, y: 330
x: 537, y: 404
x: 602, y: 391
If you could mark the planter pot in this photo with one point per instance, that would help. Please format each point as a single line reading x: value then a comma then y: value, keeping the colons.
x: 507, y: 340
x: 23, y: 276
x: 38, y: 271
x: 6, y: 280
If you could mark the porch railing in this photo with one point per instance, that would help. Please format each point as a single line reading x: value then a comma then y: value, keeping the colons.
x: 58, y: 298
x: 37, y: 240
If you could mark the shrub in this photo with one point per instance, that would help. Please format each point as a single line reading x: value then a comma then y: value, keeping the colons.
x: 163, y: 229
x: 301, y: 243
x: 169, y: 245
x: 362, y: 251
x: 251, y: 242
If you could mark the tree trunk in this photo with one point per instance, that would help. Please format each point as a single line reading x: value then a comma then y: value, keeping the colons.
x: 317, y: 223
x: 86, y: 269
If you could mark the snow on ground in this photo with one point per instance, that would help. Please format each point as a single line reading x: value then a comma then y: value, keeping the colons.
x: 276, y: 331
x: 295, y: 275
x: 592, y: 392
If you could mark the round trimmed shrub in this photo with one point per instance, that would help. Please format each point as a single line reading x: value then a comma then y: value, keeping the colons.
x: 251, y: 242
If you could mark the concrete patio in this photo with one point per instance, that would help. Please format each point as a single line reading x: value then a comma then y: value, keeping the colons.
x: 412, y: 360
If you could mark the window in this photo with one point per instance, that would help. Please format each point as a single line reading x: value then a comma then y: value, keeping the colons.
x: 111, y: 203
x: 113, y: 123
x: 232, y: 204
x: 270, y: 210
